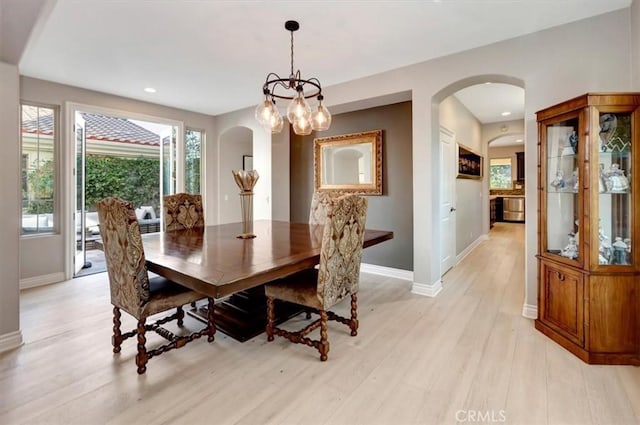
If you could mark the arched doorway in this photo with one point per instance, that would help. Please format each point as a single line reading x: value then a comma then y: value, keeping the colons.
x: 471, y: 196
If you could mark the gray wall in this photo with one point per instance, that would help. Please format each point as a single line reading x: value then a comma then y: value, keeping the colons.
x: 9, y: 207
x: 391, y: 211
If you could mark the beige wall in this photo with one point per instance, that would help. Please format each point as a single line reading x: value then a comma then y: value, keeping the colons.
x: 635, y: 44
x: 9, y: 208
x: 469, y: 193
x: 234, y: 143
x: 43, y: 257
x: 553, y: 65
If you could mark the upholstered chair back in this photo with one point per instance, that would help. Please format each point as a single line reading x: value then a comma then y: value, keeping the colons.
x: 319, y: 203
x: 341, y: 251
x: 183, y: 211
x: 124, y: 255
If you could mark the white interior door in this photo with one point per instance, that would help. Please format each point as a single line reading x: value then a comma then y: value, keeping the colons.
x: 79, y: 216
x: 447, y: 196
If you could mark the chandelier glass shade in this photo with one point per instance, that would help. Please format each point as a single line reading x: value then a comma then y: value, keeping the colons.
x: 303, y: 119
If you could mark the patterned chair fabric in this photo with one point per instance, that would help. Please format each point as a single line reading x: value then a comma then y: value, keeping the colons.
x: 336, y: 278
x: 319, y: 203
x: 183, y: 211
x: 130, y: 286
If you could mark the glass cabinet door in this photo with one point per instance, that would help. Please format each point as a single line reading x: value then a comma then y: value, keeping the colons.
x: 614, y: 200
x: 562, y: 188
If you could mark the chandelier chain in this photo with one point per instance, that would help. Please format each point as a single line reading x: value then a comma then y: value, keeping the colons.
x: 291, y: 53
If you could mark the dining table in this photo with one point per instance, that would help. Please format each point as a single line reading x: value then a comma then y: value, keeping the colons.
x: 214, y: 261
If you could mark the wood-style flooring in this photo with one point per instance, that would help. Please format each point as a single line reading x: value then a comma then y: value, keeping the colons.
x: 466, y: 356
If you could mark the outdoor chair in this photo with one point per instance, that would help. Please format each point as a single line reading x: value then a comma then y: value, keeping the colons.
x: 336, y: 278
x: 133, y: 291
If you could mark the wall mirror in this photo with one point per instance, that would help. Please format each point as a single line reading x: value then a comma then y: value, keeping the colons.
x: 349, y: 163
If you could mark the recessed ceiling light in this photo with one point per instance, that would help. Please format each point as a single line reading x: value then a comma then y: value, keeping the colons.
x: 519, y: 140
x: 150, y: 90
x: 488, y: 82
x: 505, y: 113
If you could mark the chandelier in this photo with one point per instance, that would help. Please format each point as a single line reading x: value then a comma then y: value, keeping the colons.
x: 299, y: 113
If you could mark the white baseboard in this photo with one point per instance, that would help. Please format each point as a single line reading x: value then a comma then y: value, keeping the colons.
x: 10, y: 341
x: 473, y: 245
x: 530, y: 311
x: 427, y: 290
x: 387, y: 271
x: 46, y: 279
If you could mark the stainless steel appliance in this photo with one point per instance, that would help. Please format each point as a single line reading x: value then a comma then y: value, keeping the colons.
x: 513, y: 209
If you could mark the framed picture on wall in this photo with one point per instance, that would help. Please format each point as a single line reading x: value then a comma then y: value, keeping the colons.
x: 247, y: 162
x: 469, y: 163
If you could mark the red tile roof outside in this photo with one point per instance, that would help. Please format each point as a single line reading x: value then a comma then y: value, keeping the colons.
x: 98, y: 127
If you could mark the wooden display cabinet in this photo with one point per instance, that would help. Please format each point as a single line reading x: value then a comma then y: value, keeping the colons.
x: 589, y: 226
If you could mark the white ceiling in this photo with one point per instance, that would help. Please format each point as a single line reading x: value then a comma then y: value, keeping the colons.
x: 489, y: 101
x: 508, y: 140
x: 213, y: 56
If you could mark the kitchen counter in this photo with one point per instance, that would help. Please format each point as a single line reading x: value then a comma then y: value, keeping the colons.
x: 505, y: 196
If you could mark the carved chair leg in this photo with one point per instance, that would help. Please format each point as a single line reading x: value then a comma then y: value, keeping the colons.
x: 353, y: 324
x: 324, y: 343
x: 270, y: 316
x: 117, y: 339
x: 180, y: 316
x: 211, y: 324
x: 142, y: 357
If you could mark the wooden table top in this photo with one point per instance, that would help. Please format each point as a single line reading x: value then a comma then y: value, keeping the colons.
x: 215, y: 262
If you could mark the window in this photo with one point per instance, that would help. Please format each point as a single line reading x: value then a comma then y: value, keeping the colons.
x: 500, y: 172
x: 39, y: 140
x: 193, y: 156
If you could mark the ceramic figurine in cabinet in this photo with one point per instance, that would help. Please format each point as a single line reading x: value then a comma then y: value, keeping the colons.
x: 619, y: 182
x: 571, y: 250
x: 605, y: 250
x: 558, y: 182
x: 619, y: 251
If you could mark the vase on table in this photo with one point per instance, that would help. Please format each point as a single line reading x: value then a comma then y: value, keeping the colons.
x: 246, y: 180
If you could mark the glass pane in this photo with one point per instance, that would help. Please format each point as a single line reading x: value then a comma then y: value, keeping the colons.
x: 193, y: 154
x: 500, y: 173
x: 614, y: 204
x: 562, y: 189
x: 37, y: 169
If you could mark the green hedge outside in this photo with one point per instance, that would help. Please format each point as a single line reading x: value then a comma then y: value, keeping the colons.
x: 136, y: 180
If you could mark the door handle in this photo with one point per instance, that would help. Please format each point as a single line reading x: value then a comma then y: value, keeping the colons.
x: 452, y: 209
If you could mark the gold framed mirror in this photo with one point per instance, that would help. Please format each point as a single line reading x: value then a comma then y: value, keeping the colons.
x: 349, y: 163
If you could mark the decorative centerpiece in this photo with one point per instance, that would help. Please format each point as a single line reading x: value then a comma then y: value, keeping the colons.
x: 246, y: 180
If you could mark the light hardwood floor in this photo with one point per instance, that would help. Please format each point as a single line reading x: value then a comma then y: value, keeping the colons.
x: 467, y: 356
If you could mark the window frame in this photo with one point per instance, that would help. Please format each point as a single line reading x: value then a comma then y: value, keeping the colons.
x: 202, y: 144
x: 57, y: 183
x: 510, y: 160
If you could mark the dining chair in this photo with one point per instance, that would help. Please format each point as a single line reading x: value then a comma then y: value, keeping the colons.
x: 319, y: 202
x: 183, y: 211
x: 336, y: 278
x: 133, y: 291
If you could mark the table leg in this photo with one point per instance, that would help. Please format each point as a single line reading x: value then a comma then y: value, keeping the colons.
x: 244, y: 315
